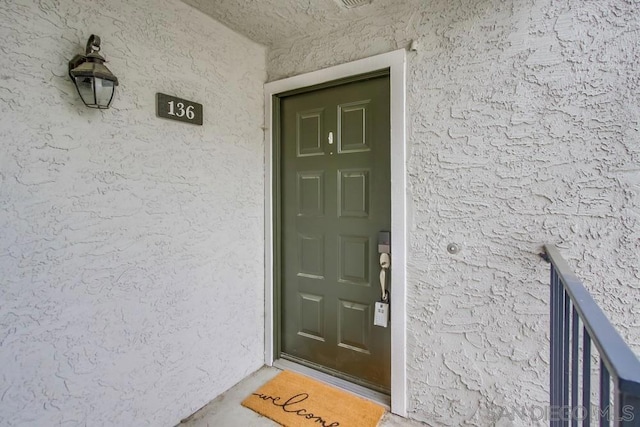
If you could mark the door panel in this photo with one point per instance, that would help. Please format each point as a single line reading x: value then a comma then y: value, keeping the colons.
x: 335, y: 199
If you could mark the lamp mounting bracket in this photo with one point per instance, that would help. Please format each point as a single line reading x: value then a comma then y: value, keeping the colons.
x: 93, y: 44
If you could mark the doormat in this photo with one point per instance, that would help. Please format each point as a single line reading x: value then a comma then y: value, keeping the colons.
x: 293, y: 400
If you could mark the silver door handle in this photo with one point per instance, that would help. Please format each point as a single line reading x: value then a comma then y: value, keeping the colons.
x: 385, y: 263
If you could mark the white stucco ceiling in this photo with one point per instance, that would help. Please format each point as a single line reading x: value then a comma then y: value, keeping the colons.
x: 270, y: 21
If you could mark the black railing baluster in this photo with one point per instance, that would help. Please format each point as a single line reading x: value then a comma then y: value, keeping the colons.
x: 571, y: 306
x: 605, y: 395
x: 554, y: 346
x: 557, y: 348
x: 586, y: 377
x: 559, y: 352
x: 575, y: 341
x: 565, y: 359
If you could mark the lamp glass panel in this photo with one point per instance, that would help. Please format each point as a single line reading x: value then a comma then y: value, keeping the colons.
x: 104, y: 92
x: 85, y: 89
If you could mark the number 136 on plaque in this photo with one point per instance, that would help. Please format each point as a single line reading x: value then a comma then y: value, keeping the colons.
x: 170, y: 107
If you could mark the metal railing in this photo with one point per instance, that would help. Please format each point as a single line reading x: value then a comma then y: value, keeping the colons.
x: 571, y: 358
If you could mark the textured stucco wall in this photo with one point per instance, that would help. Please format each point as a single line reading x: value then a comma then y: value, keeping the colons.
x: 523, y: 129
x: 131, y: 275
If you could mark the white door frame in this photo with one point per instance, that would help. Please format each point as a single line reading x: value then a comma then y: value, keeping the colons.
x: 396, y: 62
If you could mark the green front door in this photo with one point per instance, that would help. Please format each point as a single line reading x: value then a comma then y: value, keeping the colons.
x: 335, y: 195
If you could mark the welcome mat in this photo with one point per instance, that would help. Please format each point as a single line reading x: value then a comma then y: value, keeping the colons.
x: 294, y: 400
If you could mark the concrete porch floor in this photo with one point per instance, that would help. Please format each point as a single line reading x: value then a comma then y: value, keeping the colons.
x: 226, y: 410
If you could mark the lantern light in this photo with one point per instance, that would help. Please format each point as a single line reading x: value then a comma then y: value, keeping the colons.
x: 95, y: 83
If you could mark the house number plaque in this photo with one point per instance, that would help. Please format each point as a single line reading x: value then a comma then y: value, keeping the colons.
x: 170, y: 107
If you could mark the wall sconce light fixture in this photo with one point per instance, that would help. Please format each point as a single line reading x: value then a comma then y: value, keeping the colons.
x: 95, y: 83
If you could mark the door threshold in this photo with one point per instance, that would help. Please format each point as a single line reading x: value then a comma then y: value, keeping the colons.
x: 358, y: 390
